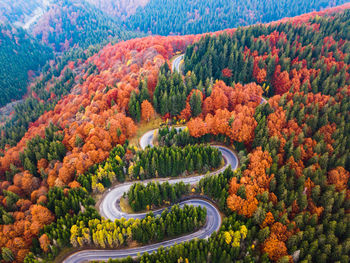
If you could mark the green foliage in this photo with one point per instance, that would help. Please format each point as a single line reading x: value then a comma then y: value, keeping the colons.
x: 61, y: 204
x: 196, y: 104
x: 11, y: 199
x: 175, y: 161
x: 7, y: 254
x: 49, y: 148
x: 155, y: 194
x: 104, y: 233
x: 89, y: 26
x: 208, y: 57
x: 216, y: 186
x: 215, y: 249
x: 181, y: 137
x: 104, y: 174
x: 19, y: 53
x: 170, y: 93
x: 5, y: 217
x: 194, y: 17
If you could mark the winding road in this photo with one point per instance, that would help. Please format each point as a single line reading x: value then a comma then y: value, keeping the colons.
x: 177, y: 62
x: 109, y: 208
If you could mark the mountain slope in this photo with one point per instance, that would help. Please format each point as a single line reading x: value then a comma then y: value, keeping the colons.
x: 120, y: 8
x: 22, y: 12
x: 291, y: 191
x: 19, y: 53
x: 195, y: 16
x: 76, y: 23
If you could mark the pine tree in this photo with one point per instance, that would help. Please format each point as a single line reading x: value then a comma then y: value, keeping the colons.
x: 196, y: 103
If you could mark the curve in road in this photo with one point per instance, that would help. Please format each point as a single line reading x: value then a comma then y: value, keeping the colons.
x: 177, y: 62
x: 110, y: 209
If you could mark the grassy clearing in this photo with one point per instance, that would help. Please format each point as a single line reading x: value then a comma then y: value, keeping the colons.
x: 143, y: 128
x: 173, y: 58
x: 125, y: 206
x: 63, y: 254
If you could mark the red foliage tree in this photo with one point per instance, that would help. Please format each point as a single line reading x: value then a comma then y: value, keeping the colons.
x: 281, y: 81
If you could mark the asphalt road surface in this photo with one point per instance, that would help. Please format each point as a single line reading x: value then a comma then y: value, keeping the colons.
x: 176, y: 63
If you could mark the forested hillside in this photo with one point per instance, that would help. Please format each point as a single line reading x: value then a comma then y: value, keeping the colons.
x: 277, y: 96
x: 77, y: 23
x: 195, y: 16
x: 20, y: 56
x: 296, y: 183
x: 22, y: 12
x: 58, y: 26
x: 119, y: 8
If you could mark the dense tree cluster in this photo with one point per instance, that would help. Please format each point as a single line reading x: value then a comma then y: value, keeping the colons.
x: 179, y: 97
x: 216, y: 187
x: 107, y: 234
x: 220, y: 247
x: 43, y: 150
x: 103, y: 175
x: 70, y: 207
x: 20, y: 56
x: 153, y: 195
x: 69, y: 23
x: 290, y: 198
x: 195, y: 17
x: 168, y: 136
x: 278, y: 55
x: 170, y: 93
x: 228, y: 111
x: 137, y: 99
x: 171, y: 223
x: 175, y: 161
x: 91, y: 122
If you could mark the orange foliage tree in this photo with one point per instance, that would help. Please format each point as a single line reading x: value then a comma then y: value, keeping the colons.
x: 254, y: 180
x: 339, y: 177
x: 147, y: 111
x: 228, y: 111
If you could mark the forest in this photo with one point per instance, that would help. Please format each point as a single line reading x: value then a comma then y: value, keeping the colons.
x: 24, y: 52
x: 196, y: 17
x: 175, y: 161
x: 106, y: 234
x: 66, y: 24
x: 20, y: 56
x: 69, y: 24
x: 277, y: 95
x: 154, y: 195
